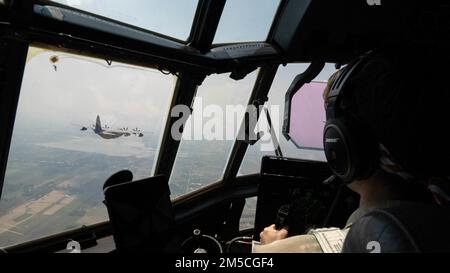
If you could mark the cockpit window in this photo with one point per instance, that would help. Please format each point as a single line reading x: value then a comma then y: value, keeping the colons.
x: 172, y: 18
x: 252, y: 160
x: 210, y: 132
x: 79, y: 120
x: 253, y: 19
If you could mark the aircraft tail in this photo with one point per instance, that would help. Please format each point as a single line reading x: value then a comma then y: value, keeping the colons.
x: 98, y: 125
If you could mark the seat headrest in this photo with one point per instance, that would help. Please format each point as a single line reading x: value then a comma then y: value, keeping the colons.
x: 118, y: 178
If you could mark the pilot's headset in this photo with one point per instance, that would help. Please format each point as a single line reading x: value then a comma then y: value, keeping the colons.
x: 351, y: 151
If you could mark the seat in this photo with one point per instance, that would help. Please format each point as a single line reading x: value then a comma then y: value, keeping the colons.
x: 141, y: 214
x: 408, y: 228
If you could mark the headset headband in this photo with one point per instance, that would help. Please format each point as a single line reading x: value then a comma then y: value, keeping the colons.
x: 338, y: 86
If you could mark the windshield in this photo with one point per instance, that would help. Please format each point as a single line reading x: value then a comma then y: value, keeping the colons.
x: 285, y: 75
x: 79, y: 120
x: 172, y: 18
x: 246, y: 21
x: 210, y: 132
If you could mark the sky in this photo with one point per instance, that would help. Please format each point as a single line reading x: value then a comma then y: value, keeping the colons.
x: 173, y: 17
x: 75, y: 89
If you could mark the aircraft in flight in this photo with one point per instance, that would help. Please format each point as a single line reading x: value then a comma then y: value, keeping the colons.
x: 106, y: 133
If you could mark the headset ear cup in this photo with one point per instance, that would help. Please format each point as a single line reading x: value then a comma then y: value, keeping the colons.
x: 350, y: 152
x: 337, y: 150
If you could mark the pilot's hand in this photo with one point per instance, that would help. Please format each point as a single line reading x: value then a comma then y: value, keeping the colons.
x: 270, y: 234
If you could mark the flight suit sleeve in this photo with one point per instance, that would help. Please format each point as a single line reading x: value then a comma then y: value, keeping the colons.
x: 294, y: 244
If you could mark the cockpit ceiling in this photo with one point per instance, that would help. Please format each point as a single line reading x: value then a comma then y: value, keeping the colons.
x: 301, y: 31
x: 337, y: 31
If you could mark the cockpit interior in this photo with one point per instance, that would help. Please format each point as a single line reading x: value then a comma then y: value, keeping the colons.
x: 180, y: 126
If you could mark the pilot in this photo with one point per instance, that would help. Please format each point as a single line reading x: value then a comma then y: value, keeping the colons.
x: 399, y: 95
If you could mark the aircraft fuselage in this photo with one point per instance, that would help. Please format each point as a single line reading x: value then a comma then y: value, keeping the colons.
x: 111, y: 134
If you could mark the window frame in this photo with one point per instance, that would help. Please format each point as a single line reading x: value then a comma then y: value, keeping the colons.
x: 221, y: 179
x: 164, y: 112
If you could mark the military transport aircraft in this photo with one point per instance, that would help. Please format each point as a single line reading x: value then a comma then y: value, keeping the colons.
x: 165, y: 194
x: 107, y: 133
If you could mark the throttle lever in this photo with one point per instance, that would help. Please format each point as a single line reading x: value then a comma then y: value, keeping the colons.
x: 282, y: 217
